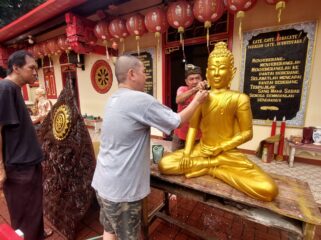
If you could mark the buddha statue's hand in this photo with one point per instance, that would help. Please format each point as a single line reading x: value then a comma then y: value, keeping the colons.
x: 211, y: 151
x: 185, y: 163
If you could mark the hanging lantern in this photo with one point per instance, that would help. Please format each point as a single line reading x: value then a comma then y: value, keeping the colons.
x: 239, y: 7
x: 136, y: 27
x: 101, y: 31
x: 46, y: 51
x: 37, y: 51
x: 156, y: 22
x: 280, y: 5
x: 180, y: 16
x: 117, y: 29
x: 53, y: 47
x: 208, y: 11
x: 91, y: 38
x: 62, y: 42
x: 44, y: 48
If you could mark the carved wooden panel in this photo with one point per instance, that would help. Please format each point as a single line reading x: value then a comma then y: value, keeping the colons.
x: 69, y: 164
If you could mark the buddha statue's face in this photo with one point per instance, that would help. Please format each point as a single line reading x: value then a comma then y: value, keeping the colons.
x: 219, y: 72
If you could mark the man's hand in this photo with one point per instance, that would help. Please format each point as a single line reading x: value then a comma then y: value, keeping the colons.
x: 201, y: 96
x: 201, y: 85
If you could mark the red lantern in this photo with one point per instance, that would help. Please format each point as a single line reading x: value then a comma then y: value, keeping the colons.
x: 156, y: 22
x: 280, y: 5
x: 208, y: 11
x: 117, y: 29
x: 180, y: 16
x: 234, y: 6
x: 239, y: 7
x: 44, y: 49
x: 102, y: 32
x: 136, y: 26
x: 53, y: 47
x: 91, y: 38
x: 37, y: 51
x: 62, y: 42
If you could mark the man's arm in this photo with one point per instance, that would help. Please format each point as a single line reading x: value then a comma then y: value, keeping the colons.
x: 2, y: 170
x: 187, y: 113
x: 181, y: 98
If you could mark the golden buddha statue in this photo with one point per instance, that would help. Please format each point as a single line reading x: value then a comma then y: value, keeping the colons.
x: 225, y: 120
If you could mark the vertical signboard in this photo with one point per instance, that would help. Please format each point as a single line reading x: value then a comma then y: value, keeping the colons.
x: 276, y: 70
x: 50, y: 82
x: 147, y: 57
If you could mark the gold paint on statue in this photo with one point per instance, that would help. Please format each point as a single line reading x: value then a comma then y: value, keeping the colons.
x: 225, y: 120
x: 61, y: 122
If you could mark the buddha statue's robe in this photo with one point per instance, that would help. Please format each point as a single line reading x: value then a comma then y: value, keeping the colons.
x: 225, y: 120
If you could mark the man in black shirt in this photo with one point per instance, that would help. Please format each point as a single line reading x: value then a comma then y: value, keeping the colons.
x: 20, y: 151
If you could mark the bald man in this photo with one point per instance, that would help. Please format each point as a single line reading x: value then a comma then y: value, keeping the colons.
x: 122, y: 174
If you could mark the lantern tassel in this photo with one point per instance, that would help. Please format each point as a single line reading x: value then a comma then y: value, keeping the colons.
x: 208, y: 39
x: 279, y: 7
x: 181, y: 39
x: 240, y: 15
x: 107, y: 52
x: 138, y: 48
x: 157, y: 36
x: 207, y: 25
x: 67, y: 52
x: 123, y: 45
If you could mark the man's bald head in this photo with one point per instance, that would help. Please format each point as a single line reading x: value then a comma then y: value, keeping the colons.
x: 123, y: 65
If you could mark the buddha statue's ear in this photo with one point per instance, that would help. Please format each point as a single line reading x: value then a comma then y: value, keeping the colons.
x: 233, y: 72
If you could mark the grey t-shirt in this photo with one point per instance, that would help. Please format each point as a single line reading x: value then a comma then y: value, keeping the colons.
x: 123, y: 167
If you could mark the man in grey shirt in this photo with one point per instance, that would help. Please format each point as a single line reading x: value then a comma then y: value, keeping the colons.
x: 122, y: 175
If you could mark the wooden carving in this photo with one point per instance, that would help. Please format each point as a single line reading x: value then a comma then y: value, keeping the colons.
x: 69, y: 164
x: 79, y: 33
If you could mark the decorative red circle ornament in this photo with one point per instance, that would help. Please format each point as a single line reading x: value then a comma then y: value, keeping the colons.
x: 101, y: 76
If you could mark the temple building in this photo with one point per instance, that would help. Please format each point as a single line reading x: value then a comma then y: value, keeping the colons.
x: 276, y: 45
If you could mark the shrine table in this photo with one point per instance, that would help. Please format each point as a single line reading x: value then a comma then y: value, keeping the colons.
x: 293, y: 210
x: 309, y: 148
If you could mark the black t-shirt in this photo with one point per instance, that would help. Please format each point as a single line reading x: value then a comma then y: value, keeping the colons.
x: 20, y: 143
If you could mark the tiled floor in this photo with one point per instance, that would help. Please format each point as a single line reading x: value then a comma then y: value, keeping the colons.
x: 215, y: 222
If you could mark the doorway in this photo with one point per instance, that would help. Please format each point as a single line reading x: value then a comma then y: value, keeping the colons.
x: 195, y: 54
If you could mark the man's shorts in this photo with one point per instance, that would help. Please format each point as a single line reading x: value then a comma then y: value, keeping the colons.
x: 122, y: 219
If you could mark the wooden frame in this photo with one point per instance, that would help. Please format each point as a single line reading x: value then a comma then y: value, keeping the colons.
x: 294, y: 209
x: 276, y: 71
